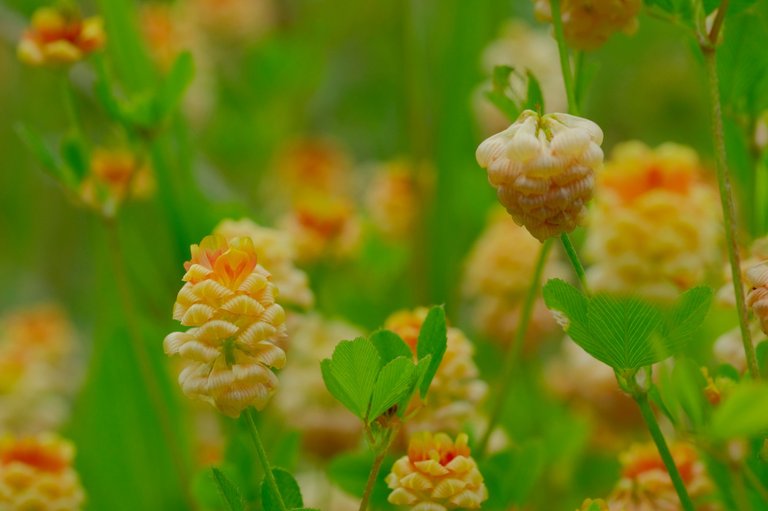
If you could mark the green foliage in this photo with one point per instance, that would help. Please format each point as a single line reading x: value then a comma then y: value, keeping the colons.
x: 370, y: 376
x: 229, y: 492
x: 504, y: 97
x: 627, y: 332
x: 680, y: 394
x: 510, y: 475
x: 744, y: 413
x: 37, y: 146
x: 349, y: 471
x: 289, y: 490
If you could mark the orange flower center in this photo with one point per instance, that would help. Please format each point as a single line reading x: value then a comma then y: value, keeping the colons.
x: 31, y: 453
x: 631, y: 185
x: 439, y: 447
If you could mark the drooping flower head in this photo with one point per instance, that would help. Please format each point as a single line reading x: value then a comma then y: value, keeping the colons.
x: 114, y: 176
x: 277, y: 252
x: 60, y: 36
x: 456, y: 389
x: 228, y: 300
x: 655, y: 227
x: 588, y: 24
x: 438, y: 474
x: 645, y: 483
x: 36, y: 474
x: 757, y: 297
x: 543, y: 170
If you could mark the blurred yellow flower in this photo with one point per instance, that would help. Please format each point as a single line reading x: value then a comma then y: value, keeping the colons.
x: 588, y: 24
x: 36, y: 474
x: 456, y: 389
x: 543, y: 170
x: 313, y: 166
x: 645, y: 484
x: 395, y: 198
x: 116, y: 175
x: 234, y: 20
x: 654, y: 230
x: 327, y: 427
x: 757, y: 297
x: 497, y: 276
x: 59, y: 36
x: 277, y: 252
x: 229, y: 301
x: 438, y: 474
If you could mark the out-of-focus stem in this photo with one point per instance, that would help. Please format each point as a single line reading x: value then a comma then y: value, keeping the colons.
x: 565, y: 65
x: 726, y: 202
x: 375, y: 468
x: 666, y: 456
x: 514, y: 349
x: 262, y: 455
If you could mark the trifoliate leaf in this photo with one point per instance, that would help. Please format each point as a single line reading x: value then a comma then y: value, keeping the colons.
x: 433, y: 340
x: 289, y: 490
x: 743, y: 414
x: 35, y: 143
x: 229, y: 492
x: 390, y: 345
x: 351, y: 372
x: 396, y: 382
x: 534, y: 97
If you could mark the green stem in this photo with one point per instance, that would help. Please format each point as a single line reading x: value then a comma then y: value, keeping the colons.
x: 726, y: 202
x: 666, y: 456
x: 139, y: 347
x: 756, y: 483
x: 573, y: 257
x: 375, y: 468
x: 565, y: 65
x: 262, y: 455
x: 514, y: 349
x: 70, y: 105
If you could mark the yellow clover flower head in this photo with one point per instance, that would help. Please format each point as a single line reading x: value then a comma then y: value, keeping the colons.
x: 437, y: 474
x: 543, y: 170
x: 59, y: 36
x: 757, y: 298
x: 588, y: 24
x: 228, y: 300
x: 36, y: 473
x: 655, y: 227
x: 114, y: 176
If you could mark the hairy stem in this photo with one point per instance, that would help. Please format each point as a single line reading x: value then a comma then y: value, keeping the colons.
x: 666, y: 456
x: 727, y: 204
x: 375, y: 468
x: 514, y: 349
x: 262, y: 455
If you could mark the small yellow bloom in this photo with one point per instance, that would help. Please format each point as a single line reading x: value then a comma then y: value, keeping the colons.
x: 456, y: 389
x: 229, y: 301
x: 654, y: 230
x: 588, y: 24
x: 36, y: 474
x: 115, y: 175
x: 60, y: 37
x: 394, y: 199
x: 543, y: 170
x: 438, y: 474
x: 277, y: 252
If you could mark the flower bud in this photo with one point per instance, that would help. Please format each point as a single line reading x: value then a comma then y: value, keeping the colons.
x: 587, y: 24
x: 229, y: 301
x: 437, y: 474
x: 543, y: 170
x: 60, y: 36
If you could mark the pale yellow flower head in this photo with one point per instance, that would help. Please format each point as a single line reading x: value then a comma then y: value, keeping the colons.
x: 394, y: 198
x: 228, y: 300
x: 757, y: 297
x: 588, y: 24
x: 234, y: 20
x: 277, y: 252
x: 645, y: 484
x: 36, y: 474
x: 114, y: 176
x: 438, y: 474
x: 456, y: 389
x: 654, y: 230
x: 543, y: 170
x: 60, y: 37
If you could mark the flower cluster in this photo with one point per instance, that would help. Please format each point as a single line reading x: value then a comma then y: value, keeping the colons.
x: 588, y: 24
x: 277, y: 252
x: 228, y: 300
x: 456, y: 388
x: 60, y: 36
x: 655, y: 227
x: 36, y: 474
x: 115, y: 175
x: 394, y: 199
x: 543, y: 170
x: 497, y: 277
x: 438, y: 474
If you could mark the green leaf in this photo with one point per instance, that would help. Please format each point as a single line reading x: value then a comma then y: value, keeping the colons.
x: 626, y: 332
x: 433, y: 340
x: 510, y: 475
x: 390, y: 345
x: 35, y: 143
x: 289, y: 490
x: 230, y: 494
x: 172, y: 89
x: 351, y: 373
x: 349, y: 471
x: 498, y: 95
x: 395, y: 383
x: 75, y: 155
x: 534, y: 97
x: 743, y: 414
